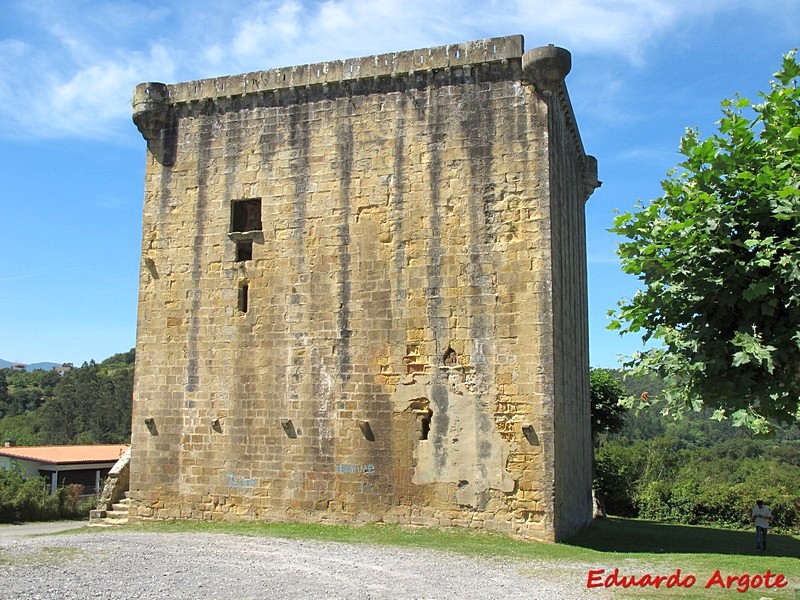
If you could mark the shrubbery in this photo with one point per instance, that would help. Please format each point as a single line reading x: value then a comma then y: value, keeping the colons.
x: 696, y: 470
x: 663, y: 479
x: 29, y: 499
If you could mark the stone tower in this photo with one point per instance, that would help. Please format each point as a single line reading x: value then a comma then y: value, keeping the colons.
x: 363, y: 294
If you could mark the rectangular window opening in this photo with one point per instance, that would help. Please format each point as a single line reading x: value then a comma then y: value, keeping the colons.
x: 244, y: 250
x: 246, y: 215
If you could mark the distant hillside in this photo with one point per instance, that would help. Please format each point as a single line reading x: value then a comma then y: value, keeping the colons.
x: 90, y: 404
x: 42, y: 366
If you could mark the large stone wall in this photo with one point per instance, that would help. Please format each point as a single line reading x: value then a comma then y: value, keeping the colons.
x: 363, y: 294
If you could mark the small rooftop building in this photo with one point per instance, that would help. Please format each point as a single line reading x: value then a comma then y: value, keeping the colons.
x: 64, y: 465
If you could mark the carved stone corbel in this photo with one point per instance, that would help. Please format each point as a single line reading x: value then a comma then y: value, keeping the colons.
x: 155, y: 119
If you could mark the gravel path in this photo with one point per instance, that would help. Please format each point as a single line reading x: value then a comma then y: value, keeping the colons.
x: 25, y: 529
x: 121, y: 565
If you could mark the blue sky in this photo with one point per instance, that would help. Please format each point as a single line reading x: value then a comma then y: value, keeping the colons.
x: 72, y: 162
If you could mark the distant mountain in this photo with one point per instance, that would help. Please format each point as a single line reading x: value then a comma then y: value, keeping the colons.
x: 43, y: 366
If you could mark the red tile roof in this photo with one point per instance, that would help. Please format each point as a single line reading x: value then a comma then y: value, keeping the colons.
x: 67, y: 454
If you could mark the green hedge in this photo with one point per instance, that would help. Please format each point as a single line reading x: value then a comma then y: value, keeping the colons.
x: 664, y: 481
x: 29, y: 499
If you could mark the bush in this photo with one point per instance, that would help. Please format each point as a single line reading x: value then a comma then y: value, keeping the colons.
x: 719, y: 485
x: 29, y: 499
x: 654, y: 501
x: 619, y: 467
x: 71, y: 504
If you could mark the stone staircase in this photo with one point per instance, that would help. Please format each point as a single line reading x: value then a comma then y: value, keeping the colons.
x: 118, y: 515
x: 115, y: 495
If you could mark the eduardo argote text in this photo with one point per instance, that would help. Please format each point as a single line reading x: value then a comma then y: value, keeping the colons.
x: 600, y: 578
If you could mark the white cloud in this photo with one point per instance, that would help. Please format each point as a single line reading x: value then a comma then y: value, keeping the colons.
x: 266, y: 25
x: 71, y: 69
x: 214, y: 54
x: 87, y: 102
x: 69, y: 78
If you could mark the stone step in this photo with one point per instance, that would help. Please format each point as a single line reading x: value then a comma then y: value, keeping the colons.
x: 116, y: 515
x: 107, y: 522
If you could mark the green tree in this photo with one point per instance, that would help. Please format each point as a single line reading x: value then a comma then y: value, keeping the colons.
x: 71, y: 411
x: 605, y: 393
x: 718, y: 255
x: 26, y: 391
x: 91, y: 404
x: 3, y: 393
x: 25, y: 430
x: 122, y: 359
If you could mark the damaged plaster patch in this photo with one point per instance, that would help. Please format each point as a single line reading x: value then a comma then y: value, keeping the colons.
x: 462, y: 445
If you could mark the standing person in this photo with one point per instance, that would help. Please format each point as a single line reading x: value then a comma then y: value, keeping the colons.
x: 762, y: 517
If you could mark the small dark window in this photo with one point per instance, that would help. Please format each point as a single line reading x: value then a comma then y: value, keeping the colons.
x: 244, y: 290
x: 425, y: 423
x: 246, y: 215
x: 244, y: 250
x: 450, y: 358
x: 422, y: 410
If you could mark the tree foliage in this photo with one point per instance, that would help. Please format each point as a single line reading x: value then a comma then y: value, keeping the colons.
x: 22, y: 392
x: 694, y: 469
x: 718, y: 255
x: 605, y: 393
x: 663, y: 479
x: 29, y: 499
x: 90, y: 404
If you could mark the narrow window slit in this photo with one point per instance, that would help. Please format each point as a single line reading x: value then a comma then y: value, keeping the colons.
x: 244, y: 290
x: 425, y: 425
x: 423, y: 413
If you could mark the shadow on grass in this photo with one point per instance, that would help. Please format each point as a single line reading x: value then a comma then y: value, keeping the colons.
x: 629, y: 535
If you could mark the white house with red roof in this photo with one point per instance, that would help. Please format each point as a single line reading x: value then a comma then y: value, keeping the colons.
x: 64, y: 465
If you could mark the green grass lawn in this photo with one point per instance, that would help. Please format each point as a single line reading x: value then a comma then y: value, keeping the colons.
x: 634, y: 547
x: 661, y: 548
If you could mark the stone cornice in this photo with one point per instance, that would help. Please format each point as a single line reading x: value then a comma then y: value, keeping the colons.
x: 587, y: 162
x: 154, y: 104
x: 546, y: 68
x: 390, y: 64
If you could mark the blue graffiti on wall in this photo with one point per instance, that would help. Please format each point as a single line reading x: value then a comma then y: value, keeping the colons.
x: 349, y: 469
x: 241, y: 482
